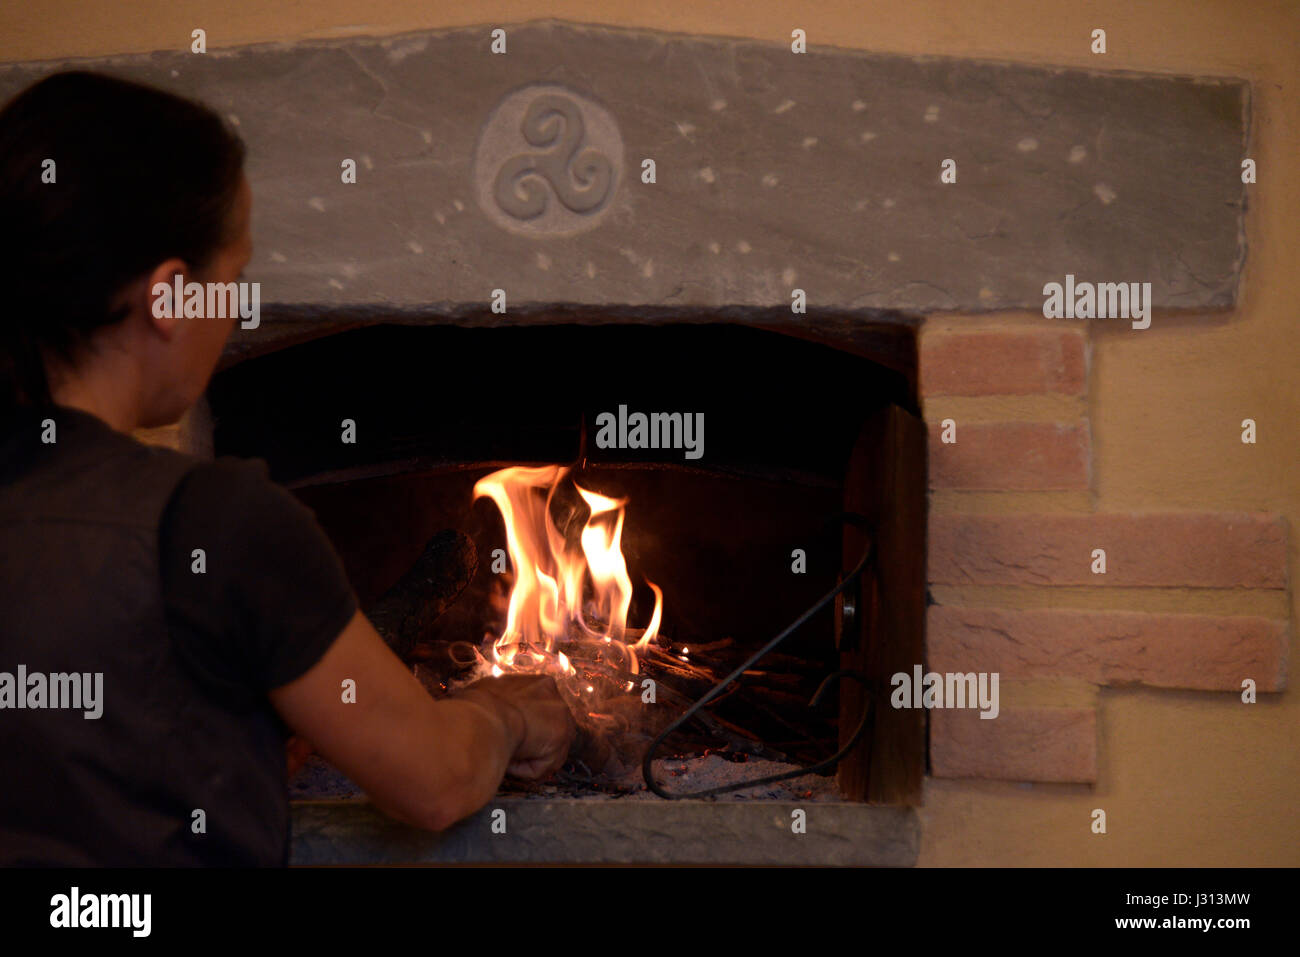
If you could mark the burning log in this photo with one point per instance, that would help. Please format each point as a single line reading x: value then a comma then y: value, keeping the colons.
x: 407, y: 611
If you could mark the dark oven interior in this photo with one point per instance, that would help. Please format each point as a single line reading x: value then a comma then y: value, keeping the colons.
x: 385, y: 430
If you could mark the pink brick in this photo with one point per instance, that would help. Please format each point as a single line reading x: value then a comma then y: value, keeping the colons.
x: 1003, y: 361
x: 1020, y: 744
x: 1202, y: 652
x: 1208, y: 550
x: 1012, y: 456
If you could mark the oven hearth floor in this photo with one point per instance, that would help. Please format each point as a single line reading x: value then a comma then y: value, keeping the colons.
x: 318, y: 780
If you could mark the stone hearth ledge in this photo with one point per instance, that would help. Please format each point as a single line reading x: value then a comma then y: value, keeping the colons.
x: 570, y: 831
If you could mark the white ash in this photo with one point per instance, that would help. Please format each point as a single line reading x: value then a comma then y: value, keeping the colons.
x: 687, y: 775
x: 318, y: 780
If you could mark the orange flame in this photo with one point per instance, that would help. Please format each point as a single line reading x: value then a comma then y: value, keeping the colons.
x: 549, y: 604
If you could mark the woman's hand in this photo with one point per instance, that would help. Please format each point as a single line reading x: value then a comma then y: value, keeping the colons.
x: 549, y: 728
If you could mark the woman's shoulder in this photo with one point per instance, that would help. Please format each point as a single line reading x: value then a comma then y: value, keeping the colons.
x: 230, y: 494
x: 227, y: 476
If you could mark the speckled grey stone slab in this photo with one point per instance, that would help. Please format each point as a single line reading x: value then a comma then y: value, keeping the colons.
x: 615, y: 832
x: 775, y: 170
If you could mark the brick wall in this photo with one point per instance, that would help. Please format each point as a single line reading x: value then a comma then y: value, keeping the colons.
x: 1013, y: 526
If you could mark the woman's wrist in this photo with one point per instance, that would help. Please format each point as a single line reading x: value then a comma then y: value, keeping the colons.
x: 508, y: 714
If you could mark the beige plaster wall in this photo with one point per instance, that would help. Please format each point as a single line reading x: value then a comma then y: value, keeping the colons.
x: 1186, y: 778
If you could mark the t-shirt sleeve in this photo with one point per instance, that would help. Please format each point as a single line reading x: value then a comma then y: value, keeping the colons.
x: 268, y: 595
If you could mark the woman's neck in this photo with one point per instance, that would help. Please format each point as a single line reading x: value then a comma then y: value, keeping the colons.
x: 110, y: 398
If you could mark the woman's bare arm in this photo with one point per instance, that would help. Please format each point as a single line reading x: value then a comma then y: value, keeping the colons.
x: 426, y: 762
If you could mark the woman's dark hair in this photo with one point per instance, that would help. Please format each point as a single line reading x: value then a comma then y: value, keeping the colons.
x: 139, y: 176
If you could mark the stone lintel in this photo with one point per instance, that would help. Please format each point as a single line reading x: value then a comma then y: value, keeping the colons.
x: 774, y: 171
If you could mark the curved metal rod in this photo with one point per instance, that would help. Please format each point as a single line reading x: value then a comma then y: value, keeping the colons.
x: 646, y: 764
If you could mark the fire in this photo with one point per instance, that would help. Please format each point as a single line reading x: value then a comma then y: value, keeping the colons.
x: 571, y: 592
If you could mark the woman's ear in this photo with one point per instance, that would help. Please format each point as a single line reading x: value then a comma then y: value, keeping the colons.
x: 157, y: 296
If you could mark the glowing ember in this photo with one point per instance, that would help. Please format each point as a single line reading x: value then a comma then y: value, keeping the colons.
x: 571, y: 592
